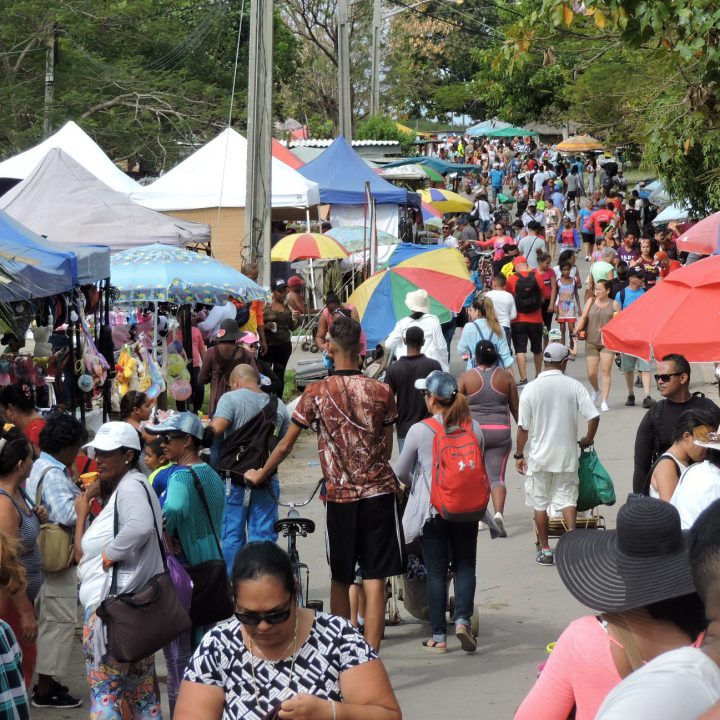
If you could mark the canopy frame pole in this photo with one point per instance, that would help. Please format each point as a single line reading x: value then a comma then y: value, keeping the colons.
x: 308, y: 224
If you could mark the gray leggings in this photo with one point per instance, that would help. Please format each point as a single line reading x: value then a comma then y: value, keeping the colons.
x: 498, y: 443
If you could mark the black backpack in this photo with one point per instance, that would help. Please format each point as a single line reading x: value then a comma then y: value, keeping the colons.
x: 249, y: 446
x: 242, y: 314
x: 528, y: 297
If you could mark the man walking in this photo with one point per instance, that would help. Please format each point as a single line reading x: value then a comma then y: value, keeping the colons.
x: 532, y: 245
x: 550, y: 408
x: 655, y: 432
x: 401, y: 377
x: 252, y: 521
x: 354, y: 417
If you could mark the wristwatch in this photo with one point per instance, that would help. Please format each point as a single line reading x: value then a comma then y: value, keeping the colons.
x: 519, y: 457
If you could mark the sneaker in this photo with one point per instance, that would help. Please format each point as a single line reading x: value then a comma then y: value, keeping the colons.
x: 604, y: 407
x: 545, y: 557
x: 54, y: 699
x: 630, y: 401
x: 500, y: 522
x: 595, y: 395
x: 522, y: 382
x: 587, y: 258
x: 648, y: 402
x: 483, y: 525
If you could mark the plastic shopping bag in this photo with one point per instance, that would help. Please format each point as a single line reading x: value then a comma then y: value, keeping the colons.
x: 596, y: 485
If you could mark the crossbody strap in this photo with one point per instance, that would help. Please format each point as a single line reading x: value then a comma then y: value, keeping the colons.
x: 38, y: 492
x: 632, y: 652
x: 113, y: 584
x: 203, y: 499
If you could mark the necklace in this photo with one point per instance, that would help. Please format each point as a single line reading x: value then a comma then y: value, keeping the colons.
x: 262, y: 657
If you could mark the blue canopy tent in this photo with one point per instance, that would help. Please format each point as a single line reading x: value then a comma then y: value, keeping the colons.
x: 29, y: 268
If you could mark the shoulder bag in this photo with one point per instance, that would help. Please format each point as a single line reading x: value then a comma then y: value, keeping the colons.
x: 55, y: 543
x: 212, y: 599
x: 141, y: 622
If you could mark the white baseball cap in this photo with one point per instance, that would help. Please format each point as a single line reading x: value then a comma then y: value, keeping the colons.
x: 556, y: 352
x: 115, y: 435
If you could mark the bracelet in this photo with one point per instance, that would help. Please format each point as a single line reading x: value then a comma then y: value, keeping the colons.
x: 519, y: 456
x: 334, y: 710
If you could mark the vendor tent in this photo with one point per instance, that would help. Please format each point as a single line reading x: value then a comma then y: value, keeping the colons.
x: 484, y: 127
x: 281, y: 153
x: 442, y: 166
x: 74, y: 141
x: 214, y: 177
x: 65, y: 202
x: 28, y: 269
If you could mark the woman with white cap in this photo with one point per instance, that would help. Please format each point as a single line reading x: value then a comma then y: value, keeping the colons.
x: 639, y: 578
x: 435, y: 347
x: 131, y: 553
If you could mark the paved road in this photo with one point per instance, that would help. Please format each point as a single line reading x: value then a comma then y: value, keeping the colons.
x: 522, y: 606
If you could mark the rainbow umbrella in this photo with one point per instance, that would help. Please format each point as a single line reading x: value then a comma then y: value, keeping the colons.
x: 380, y: 300
x: 430, y: 214
x: 445, y: 201
x: 307, y: 246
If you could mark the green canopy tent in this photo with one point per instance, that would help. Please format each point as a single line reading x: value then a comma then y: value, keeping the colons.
x: 510, y: 132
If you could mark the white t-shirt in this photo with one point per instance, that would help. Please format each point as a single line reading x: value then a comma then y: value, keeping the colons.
x: 550, y: 407
x: 216, y: 315
x: 434, y: 347
x: 539, y: 179
x: 503, y: 305
x: 699, y: 487
x: 677, y: 685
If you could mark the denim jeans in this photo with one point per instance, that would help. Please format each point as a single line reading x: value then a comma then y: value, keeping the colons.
x: 439, y: 538
x: 177, y: 655
x: 248, y: 524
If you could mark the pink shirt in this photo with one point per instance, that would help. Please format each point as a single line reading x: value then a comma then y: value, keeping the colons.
x: 198, y: 344
x: 580, y: 671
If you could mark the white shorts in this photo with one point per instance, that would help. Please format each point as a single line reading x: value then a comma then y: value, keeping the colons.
x: 543, y: 488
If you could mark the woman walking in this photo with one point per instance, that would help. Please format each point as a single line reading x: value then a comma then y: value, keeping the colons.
x: 483, y: 325
x: 280, y: 321
x: 597, y: 313
x: 492, y: 396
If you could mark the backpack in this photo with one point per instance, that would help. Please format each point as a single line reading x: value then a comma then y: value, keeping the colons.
x: 528, y: 297
x: 242, y: 314
x: 460, y: 488
x: 250, y: 445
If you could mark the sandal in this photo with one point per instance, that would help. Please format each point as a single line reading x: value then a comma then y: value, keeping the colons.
x: 434, y: 646
x: 467, y: 640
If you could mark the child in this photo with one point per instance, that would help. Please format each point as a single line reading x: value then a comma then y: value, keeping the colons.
x: 161, y: 469
x: 567, y: 302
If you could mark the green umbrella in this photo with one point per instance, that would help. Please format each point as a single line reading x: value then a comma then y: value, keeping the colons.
x: 510, y: 132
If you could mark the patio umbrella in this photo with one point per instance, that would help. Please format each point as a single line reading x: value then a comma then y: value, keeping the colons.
x: 307, y: 246
x: 380, y: 300
x: 351, y: 237
x: 162, y: 273
x: 445, y: 201
x: 703, y: 237
x: 579, y: 143
x: 688, y: 324
x: 510, y: 132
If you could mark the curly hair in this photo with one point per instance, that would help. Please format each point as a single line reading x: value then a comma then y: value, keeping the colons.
x: 61, y: 431
x: 14, y: 447
x: 13, y: 577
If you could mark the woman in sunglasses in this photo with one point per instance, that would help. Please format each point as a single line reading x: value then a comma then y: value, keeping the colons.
x: 276, y: 660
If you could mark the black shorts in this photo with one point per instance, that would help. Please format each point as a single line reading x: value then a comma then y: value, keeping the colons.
x: 524, y: 331
x: 588, y: 238
x: 547, y: 314
x: 368, y: 532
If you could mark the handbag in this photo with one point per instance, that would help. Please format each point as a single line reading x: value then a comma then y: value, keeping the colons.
x: 55, y: 543
x: 141, y: 622
x: 212, y: 599
x: 596, y: 485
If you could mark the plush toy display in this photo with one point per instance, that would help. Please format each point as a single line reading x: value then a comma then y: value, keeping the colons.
x: 41, y: 334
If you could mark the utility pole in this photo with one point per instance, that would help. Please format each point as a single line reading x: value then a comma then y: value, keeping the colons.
x: 49, y: 80
x: 344, y: 104
x: 259, y: 139
x: 375, y: 70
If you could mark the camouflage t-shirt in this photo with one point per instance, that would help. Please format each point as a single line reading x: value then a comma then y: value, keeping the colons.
x: 350, y: 414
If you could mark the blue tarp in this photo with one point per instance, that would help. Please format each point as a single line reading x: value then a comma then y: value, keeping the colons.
x: 28, y: 267
x: 341, y: 174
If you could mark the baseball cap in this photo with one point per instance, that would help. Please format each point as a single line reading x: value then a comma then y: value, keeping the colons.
x: 519, y: 260
x: 556, y: 352
x: 439, y: 383
x: 636, y: 272
x: 115, y: 435
x: 249, y: 338
x: 185, y: 422
x: 278, y: 284
x: 295, y: 280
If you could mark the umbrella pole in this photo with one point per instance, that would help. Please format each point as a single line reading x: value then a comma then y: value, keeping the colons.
x: 307, y: 219
x: 312, y: 284
x: 155, y: 330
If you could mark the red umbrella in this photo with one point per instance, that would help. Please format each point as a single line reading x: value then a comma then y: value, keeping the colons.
x: 703, y: 237
x: 681, y: 314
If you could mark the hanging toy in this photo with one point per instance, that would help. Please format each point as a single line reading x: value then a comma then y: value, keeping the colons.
x: 180, y: 389
x: 86, y: 383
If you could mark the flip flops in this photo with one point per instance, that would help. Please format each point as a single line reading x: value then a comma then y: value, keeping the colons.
x: 432, y: 646
x: 467, y: 640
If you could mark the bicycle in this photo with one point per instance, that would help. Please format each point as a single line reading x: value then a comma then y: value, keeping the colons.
x: 290, y: 527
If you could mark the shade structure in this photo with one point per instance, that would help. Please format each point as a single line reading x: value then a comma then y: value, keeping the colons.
x: 483, y: 128
x: 703, y: 237
x: 430, y: 214
x: 380, y: 300
x: 354, y: 237
x: 579, y: 143
x: 307, y: 246
x: 681, y: 314
x: 511, y: 132
x: 160, y: 273
x: 672, y: 212
x: 281, y: 153
x: 445, y: 201
x: 443, y: 167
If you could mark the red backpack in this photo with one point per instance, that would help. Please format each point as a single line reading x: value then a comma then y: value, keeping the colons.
x: 460, y: 488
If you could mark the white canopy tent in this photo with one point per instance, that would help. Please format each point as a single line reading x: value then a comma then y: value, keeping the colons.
x: 74, y: 141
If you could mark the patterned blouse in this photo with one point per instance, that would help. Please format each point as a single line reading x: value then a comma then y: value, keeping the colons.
x: 222, y: 659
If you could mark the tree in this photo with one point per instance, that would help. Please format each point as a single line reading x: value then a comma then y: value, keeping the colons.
x: 381, y: 127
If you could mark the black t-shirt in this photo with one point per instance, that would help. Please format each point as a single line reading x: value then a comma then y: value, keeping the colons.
x: 401, y: 377
x: 632, y: 221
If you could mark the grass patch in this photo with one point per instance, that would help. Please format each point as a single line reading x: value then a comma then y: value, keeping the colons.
x: 290, y: 392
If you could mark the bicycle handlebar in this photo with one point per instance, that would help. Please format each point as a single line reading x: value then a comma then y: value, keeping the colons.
x: 295, y: 505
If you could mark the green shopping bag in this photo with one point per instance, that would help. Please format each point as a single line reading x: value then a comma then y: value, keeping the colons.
x: 596, y: 485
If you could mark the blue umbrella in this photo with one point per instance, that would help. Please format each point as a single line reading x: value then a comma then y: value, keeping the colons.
x: 351, y: 237
x: 161, y: 273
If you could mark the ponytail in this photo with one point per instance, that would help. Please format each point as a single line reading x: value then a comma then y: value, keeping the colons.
x: 485, y: 307
x: 455, y: 412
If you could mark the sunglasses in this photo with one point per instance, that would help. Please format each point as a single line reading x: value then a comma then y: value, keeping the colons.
x: 496, y: 229
x: 165, y: 438
x: 272, y: 618
x: 665, y: 377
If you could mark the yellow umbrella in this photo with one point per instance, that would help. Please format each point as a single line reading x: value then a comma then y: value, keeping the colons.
x: 307, y: 246
x: 445, y: 201
x: 580, y: 143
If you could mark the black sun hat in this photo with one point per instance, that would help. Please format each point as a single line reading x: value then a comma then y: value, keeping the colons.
x: 642, y: 562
